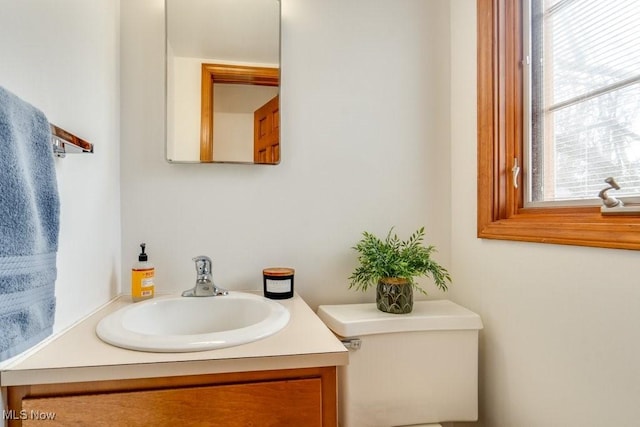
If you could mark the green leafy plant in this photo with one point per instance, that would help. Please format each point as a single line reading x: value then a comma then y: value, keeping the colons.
x: 393, y: 257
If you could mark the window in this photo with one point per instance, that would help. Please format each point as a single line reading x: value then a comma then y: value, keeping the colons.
x: 502, y: 132
x: 582, y: 92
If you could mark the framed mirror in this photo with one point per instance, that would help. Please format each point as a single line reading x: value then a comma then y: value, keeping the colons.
x: 222, y: 81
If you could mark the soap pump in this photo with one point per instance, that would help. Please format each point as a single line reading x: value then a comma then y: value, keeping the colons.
x: 142, y: 275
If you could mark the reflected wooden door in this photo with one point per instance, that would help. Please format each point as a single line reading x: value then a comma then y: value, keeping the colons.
x: 266, y: 132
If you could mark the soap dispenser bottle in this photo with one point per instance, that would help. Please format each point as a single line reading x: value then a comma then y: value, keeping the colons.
x: 142, y: 275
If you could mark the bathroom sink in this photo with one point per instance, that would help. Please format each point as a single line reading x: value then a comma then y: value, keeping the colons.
x: 182, y: 324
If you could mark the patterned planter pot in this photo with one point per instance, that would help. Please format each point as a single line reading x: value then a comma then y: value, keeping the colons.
x: 394, y: 295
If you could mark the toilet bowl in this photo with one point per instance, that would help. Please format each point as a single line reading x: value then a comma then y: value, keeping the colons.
x: 411, y: 369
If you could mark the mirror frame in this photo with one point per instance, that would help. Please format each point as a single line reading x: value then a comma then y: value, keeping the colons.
x: 229, y: 74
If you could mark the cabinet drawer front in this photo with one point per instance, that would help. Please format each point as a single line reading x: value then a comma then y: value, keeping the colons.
x: 265, y: 404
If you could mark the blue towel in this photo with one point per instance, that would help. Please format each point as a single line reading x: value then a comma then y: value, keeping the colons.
x: 29, y: 226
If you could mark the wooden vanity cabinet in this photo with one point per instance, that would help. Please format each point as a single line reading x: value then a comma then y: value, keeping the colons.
x: 291, y: 397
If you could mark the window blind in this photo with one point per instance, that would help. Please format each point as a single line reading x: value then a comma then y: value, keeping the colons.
x: 585, y: 97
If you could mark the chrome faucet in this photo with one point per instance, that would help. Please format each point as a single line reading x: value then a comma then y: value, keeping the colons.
x: 607, y: 200
x: 204, y: 282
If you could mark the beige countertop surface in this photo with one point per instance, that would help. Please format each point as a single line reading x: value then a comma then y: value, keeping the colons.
x: 77, y: 354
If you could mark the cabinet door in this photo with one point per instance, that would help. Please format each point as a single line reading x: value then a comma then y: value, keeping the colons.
x: 272, y: 403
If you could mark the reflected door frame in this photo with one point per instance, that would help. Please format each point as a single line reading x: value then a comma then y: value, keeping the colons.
x: 230, y: 74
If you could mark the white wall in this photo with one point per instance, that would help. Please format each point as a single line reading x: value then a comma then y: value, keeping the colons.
x: 63, y: 57
x: 560, y: 345
x: 365, y: 146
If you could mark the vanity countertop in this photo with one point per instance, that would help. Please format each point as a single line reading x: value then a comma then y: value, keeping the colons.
x: 79, y: 355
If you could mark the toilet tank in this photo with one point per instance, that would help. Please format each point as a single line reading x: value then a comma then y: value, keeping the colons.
x: 414, y: 368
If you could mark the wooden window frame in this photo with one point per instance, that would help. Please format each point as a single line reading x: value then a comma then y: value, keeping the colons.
x: 501, y: 211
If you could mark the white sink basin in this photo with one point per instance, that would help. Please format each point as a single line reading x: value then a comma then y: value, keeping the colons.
x: 182, y: 324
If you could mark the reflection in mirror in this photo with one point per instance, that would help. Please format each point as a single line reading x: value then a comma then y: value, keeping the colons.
x: 223, y: 78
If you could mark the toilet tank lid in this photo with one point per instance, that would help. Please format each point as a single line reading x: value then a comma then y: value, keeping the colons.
x: 350, y: 320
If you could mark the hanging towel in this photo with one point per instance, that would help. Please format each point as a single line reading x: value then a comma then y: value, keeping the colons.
x: 29, y: 225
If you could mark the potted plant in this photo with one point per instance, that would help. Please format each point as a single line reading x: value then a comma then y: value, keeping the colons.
x: 392, y: 265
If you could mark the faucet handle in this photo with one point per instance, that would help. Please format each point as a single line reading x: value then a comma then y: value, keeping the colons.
x: 203, y: 265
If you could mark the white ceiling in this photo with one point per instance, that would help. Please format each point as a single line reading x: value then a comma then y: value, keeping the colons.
x: 230, y: 30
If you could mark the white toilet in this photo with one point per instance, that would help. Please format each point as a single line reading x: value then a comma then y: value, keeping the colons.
x: 406, y: 369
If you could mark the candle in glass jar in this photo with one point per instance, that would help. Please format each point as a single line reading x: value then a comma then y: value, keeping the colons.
x: 278, y: 282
